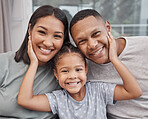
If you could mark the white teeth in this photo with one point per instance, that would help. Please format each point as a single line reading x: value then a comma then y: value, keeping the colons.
x: 98, y: 51
x: 75, y: 83
x: 45, y: 50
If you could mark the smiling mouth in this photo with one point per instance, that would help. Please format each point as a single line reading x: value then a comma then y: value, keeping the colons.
x: 73, y: 83
x: 45, y: 50
x: 98, y: 51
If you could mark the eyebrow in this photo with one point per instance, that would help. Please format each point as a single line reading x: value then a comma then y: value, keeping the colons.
x: 79, y: 66
x: 79, y: 39
x: 67, y: 67
x: 47, y: 29
x: 94, y: 30
x: 63, y: 68
x: 42, y: 27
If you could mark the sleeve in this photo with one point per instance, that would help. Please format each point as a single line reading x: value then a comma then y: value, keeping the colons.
x: 52, y: 102
x: 3, y: 66
x: 104, y: 91
x: 108, y: 92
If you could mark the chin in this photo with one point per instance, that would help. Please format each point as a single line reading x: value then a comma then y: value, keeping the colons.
x: 100, y: 60
x: 43, y: 60
x: 75, y: 91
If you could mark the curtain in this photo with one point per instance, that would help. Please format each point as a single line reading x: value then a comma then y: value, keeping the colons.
x: 14, y: 17
x: 5, y: 25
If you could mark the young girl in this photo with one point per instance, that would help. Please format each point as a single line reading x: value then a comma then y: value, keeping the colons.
x: 77, y: 99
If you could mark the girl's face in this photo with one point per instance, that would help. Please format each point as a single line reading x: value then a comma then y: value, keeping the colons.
x: 71, y: 73
x: 47, y: 38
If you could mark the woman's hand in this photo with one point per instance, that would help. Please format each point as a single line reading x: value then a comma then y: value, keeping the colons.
x: 31, y: 53
x: 112, y: 47
x: 25, y: 97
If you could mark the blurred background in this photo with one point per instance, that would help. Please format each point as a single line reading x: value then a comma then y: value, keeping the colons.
x: 127, y: 17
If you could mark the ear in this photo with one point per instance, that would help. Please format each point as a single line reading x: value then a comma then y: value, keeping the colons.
x: 86, y: 69
x: 108, y: 26
x: 55, y: 73
x: 29, y: 29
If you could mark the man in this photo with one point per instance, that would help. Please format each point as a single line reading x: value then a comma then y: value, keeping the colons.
x: 89, y: 32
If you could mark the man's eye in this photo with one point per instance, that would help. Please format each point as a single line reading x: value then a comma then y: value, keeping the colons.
x: 96, y: 34
x: 81, y: 42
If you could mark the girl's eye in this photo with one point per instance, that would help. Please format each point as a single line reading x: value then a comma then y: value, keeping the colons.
x: 64, y: 71
x: 42, y: 32
x: 79, y: 69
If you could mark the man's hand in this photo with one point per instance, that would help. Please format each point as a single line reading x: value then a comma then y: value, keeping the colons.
x: 112, y: 47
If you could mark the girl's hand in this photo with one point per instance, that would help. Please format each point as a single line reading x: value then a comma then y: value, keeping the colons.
x: 31, y: 53
x: 112, y: 47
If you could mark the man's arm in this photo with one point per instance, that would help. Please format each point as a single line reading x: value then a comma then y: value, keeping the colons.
x: 130, y: 88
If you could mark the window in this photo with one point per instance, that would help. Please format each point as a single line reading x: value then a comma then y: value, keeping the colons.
x: 127, y: 17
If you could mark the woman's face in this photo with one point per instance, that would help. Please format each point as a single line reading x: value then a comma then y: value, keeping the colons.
x: 47, y: 38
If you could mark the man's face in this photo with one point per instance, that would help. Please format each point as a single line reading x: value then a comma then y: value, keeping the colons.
x: 90, y: 35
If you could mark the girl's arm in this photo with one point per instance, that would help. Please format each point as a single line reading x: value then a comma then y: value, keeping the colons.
x: 130, y: 88
x: 25, y: 96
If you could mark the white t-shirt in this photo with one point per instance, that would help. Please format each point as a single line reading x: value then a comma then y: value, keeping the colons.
x: 135, y: 58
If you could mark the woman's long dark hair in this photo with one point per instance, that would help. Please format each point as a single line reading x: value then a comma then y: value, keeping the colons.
x: 42, y: 11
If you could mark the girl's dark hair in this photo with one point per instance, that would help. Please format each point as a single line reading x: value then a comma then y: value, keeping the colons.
x: 42, y: 11
x: 67, y: 48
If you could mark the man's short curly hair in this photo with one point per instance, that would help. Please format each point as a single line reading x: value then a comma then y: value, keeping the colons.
x: 83, y: 14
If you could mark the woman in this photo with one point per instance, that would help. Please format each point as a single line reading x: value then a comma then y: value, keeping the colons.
x: 48, y: 30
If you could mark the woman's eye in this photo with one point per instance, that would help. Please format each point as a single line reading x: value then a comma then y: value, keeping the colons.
x: 57, y: 36
x: 42, y: 32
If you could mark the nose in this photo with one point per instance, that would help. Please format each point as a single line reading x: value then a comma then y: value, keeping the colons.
x: 72, y: 75
x: 92, y: 43
x: 48, y: 41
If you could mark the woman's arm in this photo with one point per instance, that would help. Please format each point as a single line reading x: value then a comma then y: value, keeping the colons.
x: 25, y: 96
x: 130, y: 88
